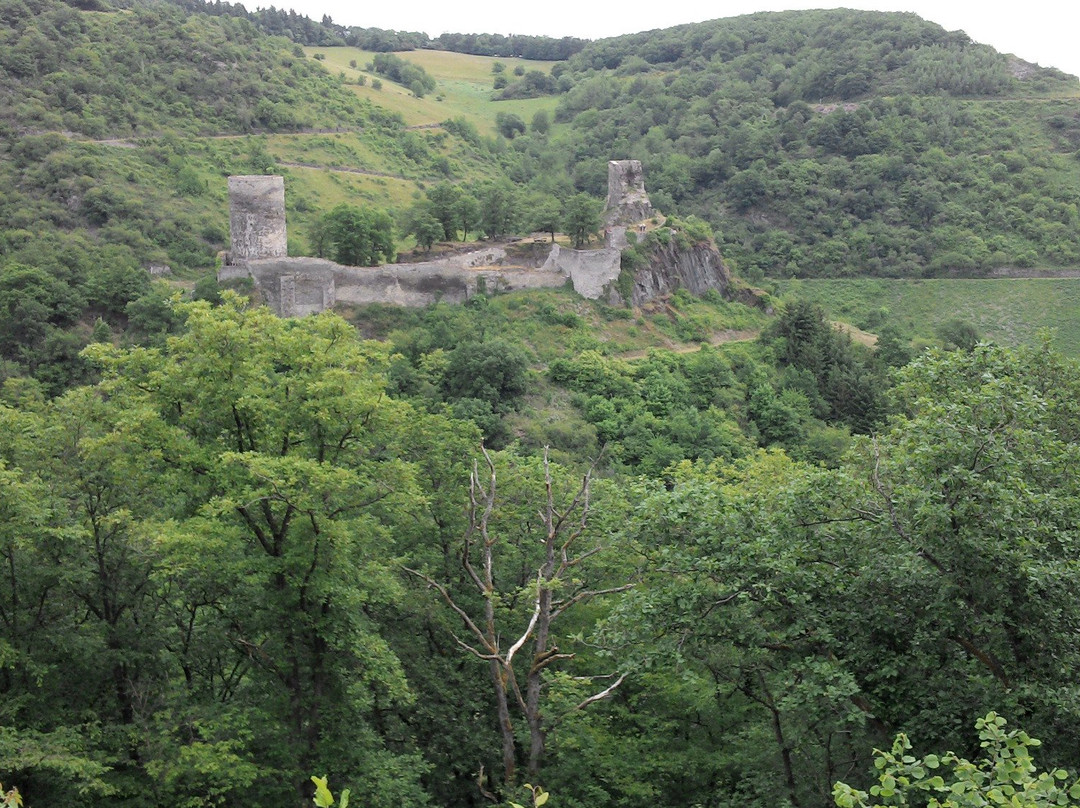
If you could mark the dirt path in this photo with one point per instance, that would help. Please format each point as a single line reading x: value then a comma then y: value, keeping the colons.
x: 342, y: 170
x: 130, y: 141
x: 719, y: 338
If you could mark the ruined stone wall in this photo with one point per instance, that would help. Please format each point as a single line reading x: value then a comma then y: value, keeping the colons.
x: 627, y: 202
x: 591, y: 271
x: 294, y: 287
x: 257, y: 218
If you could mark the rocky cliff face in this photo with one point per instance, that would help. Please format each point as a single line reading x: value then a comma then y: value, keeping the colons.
x: 697, y: 269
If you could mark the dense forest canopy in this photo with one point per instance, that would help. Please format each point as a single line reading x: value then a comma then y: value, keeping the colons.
x: 326, y: 32
x: 249, y: 579
x: 818, y: 55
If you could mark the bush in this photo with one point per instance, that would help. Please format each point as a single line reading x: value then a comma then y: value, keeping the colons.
x: 1006, y: 775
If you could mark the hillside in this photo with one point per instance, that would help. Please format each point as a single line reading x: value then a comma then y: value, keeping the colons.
x: 815, y: 143
x: 1007, y: 311
x: 837, y: 143
x: 117, y: 131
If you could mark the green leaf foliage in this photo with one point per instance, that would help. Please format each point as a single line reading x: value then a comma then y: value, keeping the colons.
x: 239, y: 532
x: 356, y: 237
x: 1005, y: 775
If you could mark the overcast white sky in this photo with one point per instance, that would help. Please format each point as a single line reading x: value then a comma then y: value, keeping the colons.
x: 1040, y: 31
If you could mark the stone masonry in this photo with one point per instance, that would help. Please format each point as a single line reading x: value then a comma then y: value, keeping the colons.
x: 257, y: 218
x: 627, y: 202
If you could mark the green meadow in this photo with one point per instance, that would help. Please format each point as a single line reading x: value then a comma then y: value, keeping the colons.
x: 464, y: 86
x: 1008, y: 310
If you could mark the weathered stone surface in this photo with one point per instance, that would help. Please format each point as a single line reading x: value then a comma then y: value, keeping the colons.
x: 627, y: 202
x: 615, y: 237
x: 697, y: 269
x: 591, y: 271
x: 294, y: 287
x: 257, y: 218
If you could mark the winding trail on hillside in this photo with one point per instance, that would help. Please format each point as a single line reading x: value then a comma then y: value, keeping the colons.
x: 664, y: 344
x: 343, y: 170
x: 132, y: 143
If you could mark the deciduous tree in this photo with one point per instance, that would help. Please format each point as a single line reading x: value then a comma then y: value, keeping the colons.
x: 581, y: 219
x: 555, y: 580
x: 359, y: 237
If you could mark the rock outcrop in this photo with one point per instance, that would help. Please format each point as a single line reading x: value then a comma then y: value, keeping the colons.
x: 697, y: 269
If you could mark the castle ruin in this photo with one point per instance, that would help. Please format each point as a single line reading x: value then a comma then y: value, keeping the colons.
x: 299, y: 286
x: 627, y: 203
x: 257, y: 218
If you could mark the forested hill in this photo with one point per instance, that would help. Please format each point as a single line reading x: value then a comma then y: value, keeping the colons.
x: 152, y: 69
x: 325, y: 32
x: 815, y: 144
x: 117, y: 130
x: 818, y: 56
x: 840, y: 142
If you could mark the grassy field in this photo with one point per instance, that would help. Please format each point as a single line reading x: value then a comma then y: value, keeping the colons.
x: 464, y: 86
x: 1010, y: 311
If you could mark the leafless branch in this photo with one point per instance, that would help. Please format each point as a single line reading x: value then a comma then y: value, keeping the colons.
x: 529, y: 629
x: 475, y: 629
x: 478, y: 654
x: 481, y: 778
x: 517, y: 689
x: 562, y: 606
x: 603, y: 694
x: 543, y: 660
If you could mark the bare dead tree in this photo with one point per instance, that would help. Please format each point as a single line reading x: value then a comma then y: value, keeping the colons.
x: 515, y: 683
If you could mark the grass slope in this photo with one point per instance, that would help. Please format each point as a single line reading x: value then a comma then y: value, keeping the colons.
x: 1007, y: 310
x: 464, y: 86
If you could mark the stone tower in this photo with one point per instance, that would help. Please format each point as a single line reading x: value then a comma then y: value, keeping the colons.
x: 257, y: 218
x: 627, y: 202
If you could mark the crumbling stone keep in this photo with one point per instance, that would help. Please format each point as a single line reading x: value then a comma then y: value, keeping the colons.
x: 257, y: 218
x: 627, y: 202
